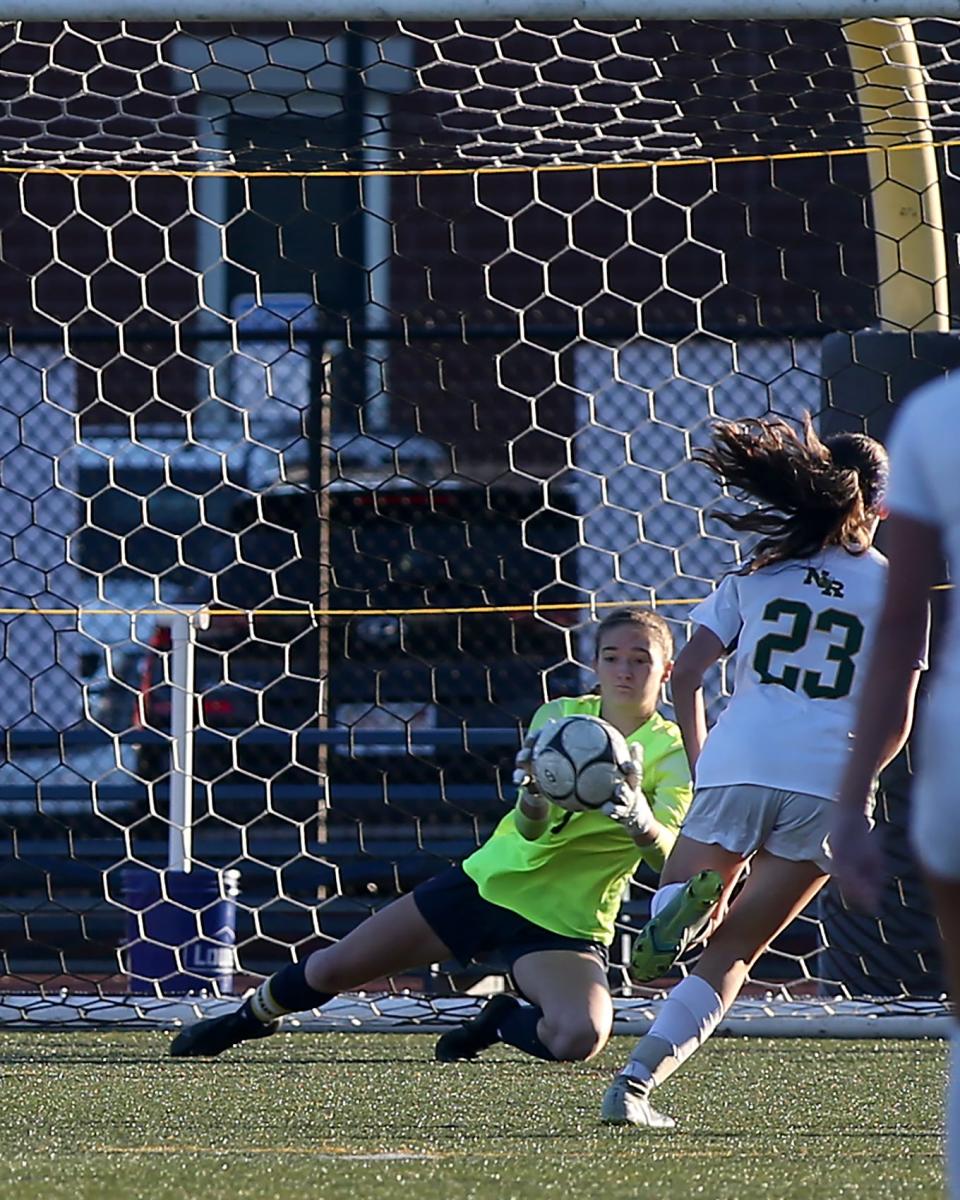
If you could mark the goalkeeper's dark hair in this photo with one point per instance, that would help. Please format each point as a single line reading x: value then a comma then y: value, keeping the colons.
x: 811, y: 493
x: 641, y: 618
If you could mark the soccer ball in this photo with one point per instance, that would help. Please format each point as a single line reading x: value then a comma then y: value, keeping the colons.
x: 575, y: 762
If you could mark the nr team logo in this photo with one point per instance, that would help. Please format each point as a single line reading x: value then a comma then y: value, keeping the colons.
x: 824, y: 581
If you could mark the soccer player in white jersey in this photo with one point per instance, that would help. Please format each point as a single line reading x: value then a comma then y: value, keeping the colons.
x: 924, y: 527
x: 802, y: 615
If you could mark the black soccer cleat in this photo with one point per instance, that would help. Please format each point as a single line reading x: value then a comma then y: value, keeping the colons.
x: 479, y: 1033
x: 207, y: 1039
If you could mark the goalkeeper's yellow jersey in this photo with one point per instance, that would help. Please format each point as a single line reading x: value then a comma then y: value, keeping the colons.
x: 571, y: 880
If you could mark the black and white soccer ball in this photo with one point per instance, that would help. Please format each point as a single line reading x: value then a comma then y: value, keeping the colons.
x: 575, y: 762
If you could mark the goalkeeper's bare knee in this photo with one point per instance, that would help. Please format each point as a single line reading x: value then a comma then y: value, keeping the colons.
x: 573, y: 1041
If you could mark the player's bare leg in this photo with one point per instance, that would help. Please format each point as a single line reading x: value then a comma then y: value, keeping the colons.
x: 776, y: 891
x: 570, y: 990
x: 394, y: 939
x: 774, y: 894
x: 694, y: 889
x: 569, y: 1016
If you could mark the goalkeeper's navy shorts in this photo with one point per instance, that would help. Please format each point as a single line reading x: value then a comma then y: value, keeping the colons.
x: 470, y: 926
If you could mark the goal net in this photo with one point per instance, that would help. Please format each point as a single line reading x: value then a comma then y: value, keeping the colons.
x: 350, y: 372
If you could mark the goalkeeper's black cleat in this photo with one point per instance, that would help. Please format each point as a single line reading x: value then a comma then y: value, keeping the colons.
x: 477, y: 1034
x: 207, y: 1039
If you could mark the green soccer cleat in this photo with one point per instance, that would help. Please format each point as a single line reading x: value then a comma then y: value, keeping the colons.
x: 626, y: 1102
x: 475, y: 1035
x: 207, y: 1039
x: 665, y: 937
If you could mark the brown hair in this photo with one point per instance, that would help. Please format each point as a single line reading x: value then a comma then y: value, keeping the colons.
x: 812, y: 493
x: 644, y: 618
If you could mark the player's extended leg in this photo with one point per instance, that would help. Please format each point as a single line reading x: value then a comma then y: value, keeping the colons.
x: 946, y: 903
x: 696, y: 882
x: 569, y: 990
x: 569, y: 1017
x: 776, y: 891
x: 394, y: 939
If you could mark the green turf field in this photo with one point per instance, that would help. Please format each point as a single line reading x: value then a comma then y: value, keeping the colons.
x: 99, y: 1115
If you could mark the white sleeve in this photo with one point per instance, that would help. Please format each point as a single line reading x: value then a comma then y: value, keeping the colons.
x: 720, y: 612
x: 910, y: 493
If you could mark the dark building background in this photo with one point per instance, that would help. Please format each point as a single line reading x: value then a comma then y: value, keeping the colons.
x: 732, y: 247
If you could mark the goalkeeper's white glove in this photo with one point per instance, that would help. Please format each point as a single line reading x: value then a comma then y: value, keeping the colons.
x: 629, y: 806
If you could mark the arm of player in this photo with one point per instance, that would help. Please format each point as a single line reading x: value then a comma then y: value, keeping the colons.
x: 654, y: 827
x: 672, y: 793
x: 629, y: 806
x: 532, y: 814
x: 903, y: 725
x: 686, y: 688
x: 887, y: 700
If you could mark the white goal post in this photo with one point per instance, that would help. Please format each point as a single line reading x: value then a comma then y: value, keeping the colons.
x: 353, y: 365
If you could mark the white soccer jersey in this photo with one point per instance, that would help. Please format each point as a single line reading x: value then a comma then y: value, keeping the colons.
x: 803, y: 632
x: 925, y: 484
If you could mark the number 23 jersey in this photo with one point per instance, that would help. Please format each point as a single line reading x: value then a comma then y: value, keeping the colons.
x: 803, y: 632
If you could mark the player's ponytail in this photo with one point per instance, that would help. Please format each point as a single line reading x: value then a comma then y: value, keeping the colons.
x: 811, y: 493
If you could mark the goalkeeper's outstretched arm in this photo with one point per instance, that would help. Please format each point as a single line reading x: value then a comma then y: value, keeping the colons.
x: 533, y: 811
x: 533, y: 815
x: 672, y: 794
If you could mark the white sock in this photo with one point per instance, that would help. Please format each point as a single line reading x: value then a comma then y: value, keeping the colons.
x: 952, y: 1123
x: 688, y: 1017
x: 263, y: 1006
x: 664, y: 895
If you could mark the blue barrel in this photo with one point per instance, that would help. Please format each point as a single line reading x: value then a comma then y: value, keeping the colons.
x: 181, y: 930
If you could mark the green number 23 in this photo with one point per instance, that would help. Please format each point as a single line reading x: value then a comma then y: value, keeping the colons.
x: 841, y: 650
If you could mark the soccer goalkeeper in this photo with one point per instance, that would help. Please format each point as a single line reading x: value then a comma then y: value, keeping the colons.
x: 543, y: 891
